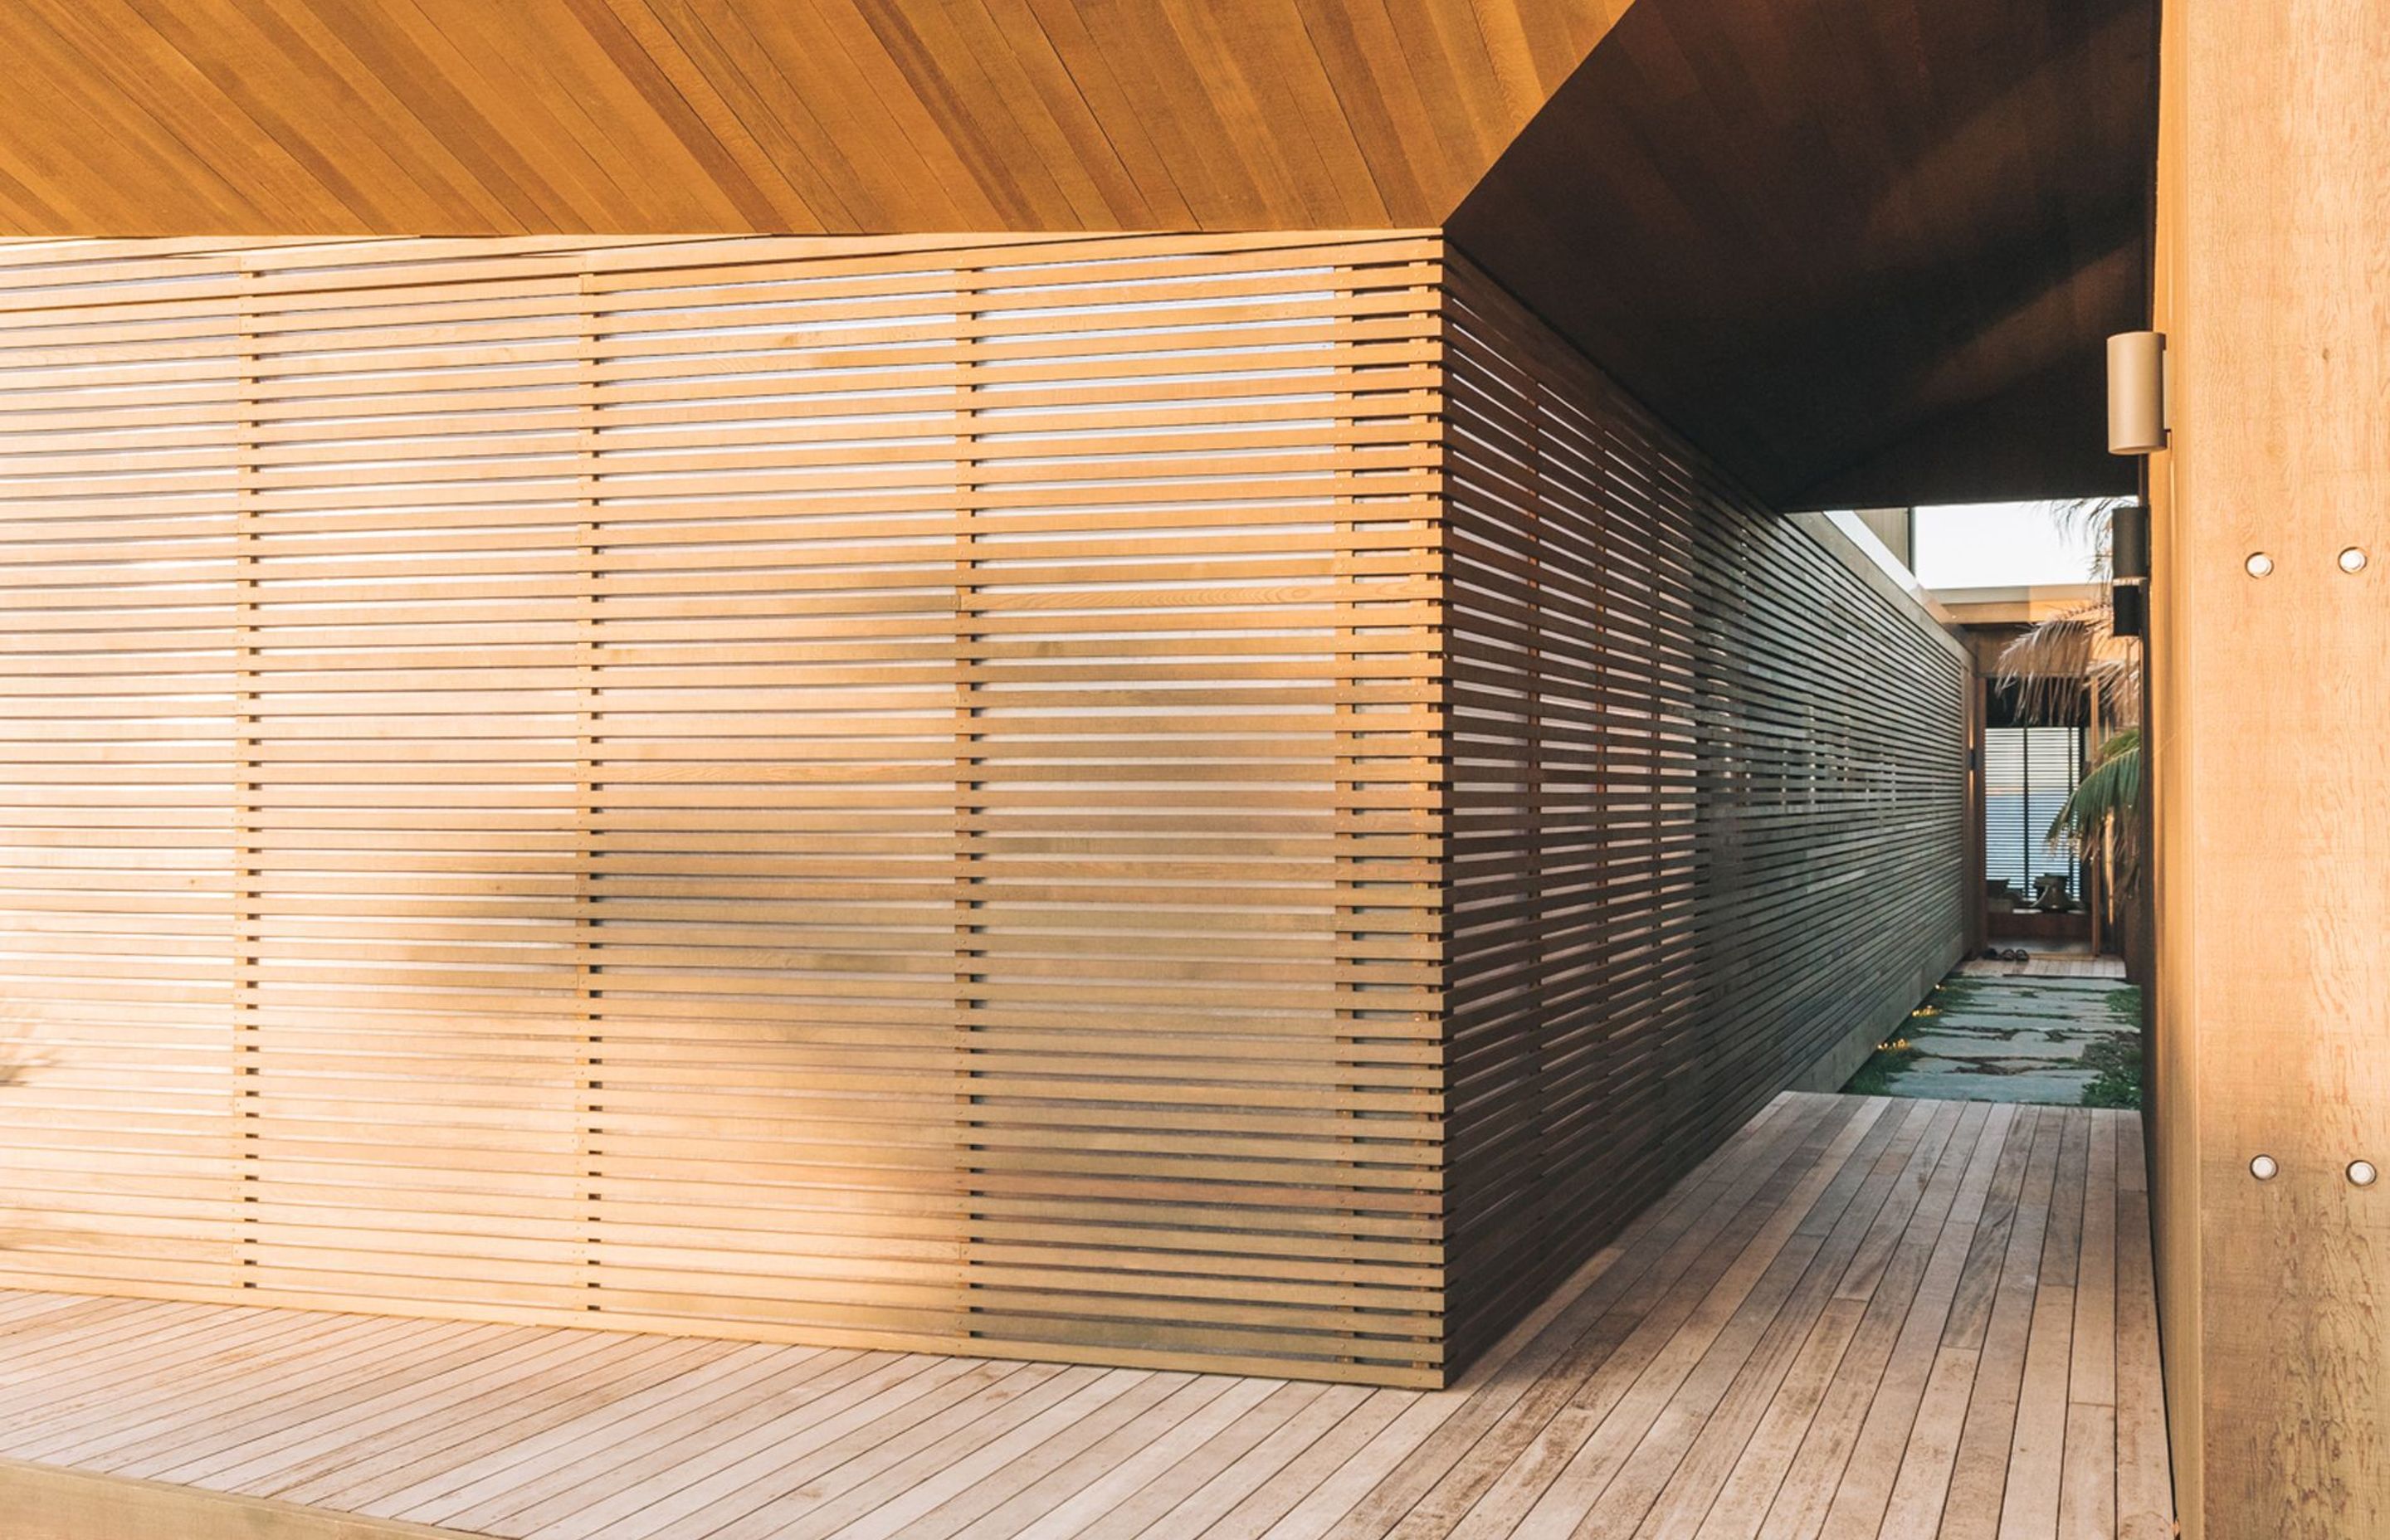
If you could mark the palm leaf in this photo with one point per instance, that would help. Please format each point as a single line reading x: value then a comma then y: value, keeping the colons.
x: 2098, y: 817
x: 2050, y: 668
x: 2086, y: 520
x: 2052, y: 663
x: 2105, y: 797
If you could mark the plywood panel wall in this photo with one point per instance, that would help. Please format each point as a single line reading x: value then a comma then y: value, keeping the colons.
x: 1215, y: 802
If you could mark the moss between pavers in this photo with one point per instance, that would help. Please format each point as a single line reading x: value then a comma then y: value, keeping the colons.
x: 1958, y: 989
x: 2116, y: 1055
x: 1889, y: 1062
x: 2117, y: 1058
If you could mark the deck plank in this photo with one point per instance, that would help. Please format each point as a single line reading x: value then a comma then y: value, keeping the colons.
x: 1494, y: 1489
x: 1856, y: 1320
x: 456, y: 1485
x: 1663, y: 1442
x: 1757, y: 1479
x: 1479, y: 1440
x: 1980, y: 1471
x: 2144, y: 1497
x: 2037, y: 1445
x: 1886, y: 1276
x: 1840, y: 1220
x: 895, y: 1470
x: 485, y: 1485
x: 1724, y: 1325
x: 1864, y: 1489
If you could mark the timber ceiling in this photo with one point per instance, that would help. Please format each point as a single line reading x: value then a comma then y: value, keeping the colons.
x: 1862, y: 250
x: 477, y: 117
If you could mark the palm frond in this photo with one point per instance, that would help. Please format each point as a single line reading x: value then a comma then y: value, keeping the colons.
x: 2050, y: 664
x: 2104, y: 799
x: 2050, y: 667
x: 2086, y: 520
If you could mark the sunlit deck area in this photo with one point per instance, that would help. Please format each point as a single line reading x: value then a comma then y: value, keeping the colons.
x: 1860, y: 1317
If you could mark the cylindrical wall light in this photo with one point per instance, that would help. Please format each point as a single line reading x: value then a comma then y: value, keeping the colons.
x: 2129, y: 608
x: 2137, y: 392
x: 2128, y: 541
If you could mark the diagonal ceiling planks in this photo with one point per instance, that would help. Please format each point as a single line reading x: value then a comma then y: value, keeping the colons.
x: 460, y: 117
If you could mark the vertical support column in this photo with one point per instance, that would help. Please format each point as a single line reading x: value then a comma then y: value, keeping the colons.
x: 1977, y: 863
x: 1391, y: 782
x: 970, y: 827
x: 246, y: 919
x: 591, y: 1051
x: 2269, y: 720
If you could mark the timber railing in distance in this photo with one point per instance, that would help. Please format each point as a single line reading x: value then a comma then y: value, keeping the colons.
x: 967, y: 796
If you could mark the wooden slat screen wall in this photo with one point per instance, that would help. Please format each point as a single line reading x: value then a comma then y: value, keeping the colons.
x: 982, y: 796
x: 869, y: 793
x: 1708, y: 804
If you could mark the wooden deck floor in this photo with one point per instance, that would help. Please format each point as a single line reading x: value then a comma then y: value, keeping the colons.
x: 1861, y: 1317
x: 2046, y: 965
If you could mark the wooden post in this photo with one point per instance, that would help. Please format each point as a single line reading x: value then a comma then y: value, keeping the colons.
x: 1978, y: 863
x: 2271, y: 721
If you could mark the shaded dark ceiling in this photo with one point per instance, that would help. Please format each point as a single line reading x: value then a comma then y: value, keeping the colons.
x: 1864, y: 251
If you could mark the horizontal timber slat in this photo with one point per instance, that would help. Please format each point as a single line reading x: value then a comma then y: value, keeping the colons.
x: 1707, y: 799
x: 1195, y: 802
x: 881, y: 797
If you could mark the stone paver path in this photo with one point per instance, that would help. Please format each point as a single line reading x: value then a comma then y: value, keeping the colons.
x: 2026, y: 1036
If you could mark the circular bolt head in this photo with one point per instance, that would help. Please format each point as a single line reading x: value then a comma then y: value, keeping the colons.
x: 2259, y: 564
x: 2361, y: 1172
x: 2353, y: 559
x: 2263, y: 1168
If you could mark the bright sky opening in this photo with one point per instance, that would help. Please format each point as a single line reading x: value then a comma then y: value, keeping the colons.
x: 2000, y: 544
